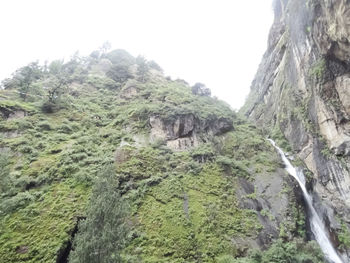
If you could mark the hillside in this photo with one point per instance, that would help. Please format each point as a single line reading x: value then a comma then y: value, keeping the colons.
x: 199, y: 183
x: 301, y: 94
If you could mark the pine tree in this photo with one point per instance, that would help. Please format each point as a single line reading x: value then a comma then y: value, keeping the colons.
x: 142, y: 68
x: 102, y: 235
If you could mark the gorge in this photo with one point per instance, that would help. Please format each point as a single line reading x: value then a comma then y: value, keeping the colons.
x: 103, y: 158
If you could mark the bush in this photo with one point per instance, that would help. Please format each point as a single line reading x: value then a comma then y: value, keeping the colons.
x: 49, y: 107
x: 65, y: 128
x: 5, y: 179
x: 344, y: 236
x: 100, y: 82
x: 280, y: 252
x: 45, y: 125
x: 27, y: 149
x: 18, y: 201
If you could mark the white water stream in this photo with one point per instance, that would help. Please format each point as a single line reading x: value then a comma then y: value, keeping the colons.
x: 317, y: 226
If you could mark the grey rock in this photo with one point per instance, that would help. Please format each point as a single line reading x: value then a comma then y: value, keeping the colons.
x: 186, y: 131
x: 302, y: 87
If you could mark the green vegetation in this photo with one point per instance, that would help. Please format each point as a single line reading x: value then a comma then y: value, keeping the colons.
x: 194, y: 217
x: 79, y: 117
x: 344, y: 237
x: 5, y: 180
x: 38, y: 225
x: 23, y: 79
x: 280, y: 140
x: 103, y: 233
x: 281, y: 252
x: 317, y: 69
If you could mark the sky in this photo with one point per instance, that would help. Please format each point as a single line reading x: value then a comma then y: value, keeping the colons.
x: 219, y: 43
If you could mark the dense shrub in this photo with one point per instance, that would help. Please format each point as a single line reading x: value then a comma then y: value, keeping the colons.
x: 5, y: 179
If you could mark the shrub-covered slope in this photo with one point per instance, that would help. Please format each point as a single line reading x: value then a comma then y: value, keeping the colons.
x: 202, y: 184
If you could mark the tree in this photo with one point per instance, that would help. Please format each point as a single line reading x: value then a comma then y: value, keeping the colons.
x: 23, y: 79
x: 120, y: 57
x: 120, y: 73
x: 200, y: 89
x: 142, y: 68
x: 56, y: 84
x: 102, y: 235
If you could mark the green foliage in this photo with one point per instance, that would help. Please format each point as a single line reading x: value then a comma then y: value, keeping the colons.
x: 248, y: 151
x: 203, y: 153
x: 344, y: 237
x: 36, y: 231
x: 281, y: 252
x: 194, y: 230
x: 142, y: 68
x: 120, y: 57
x: 288, y: 252
x: 280, y: 140
x: 57, y: 81
x: 14, y: 203
x: 252, y: 196
x: 119, y: 73
x: 317, y: 69
x: 101, y: 82
x: 23, y: 79
x: 5, y: 180
x: 184, y: 204
x: 102, y: 235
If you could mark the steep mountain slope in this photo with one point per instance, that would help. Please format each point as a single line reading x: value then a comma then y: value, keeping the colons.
x: 301, y: 92
x: 203, y: 185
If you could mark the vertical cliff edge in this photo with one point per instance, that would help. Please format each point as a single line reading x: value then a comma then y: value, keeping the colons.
x: 301, y: 93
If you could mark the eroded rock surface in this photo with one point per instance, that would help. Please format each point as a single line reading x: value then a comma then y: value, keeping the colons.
x: 186, y: 131
x: 302, y: 88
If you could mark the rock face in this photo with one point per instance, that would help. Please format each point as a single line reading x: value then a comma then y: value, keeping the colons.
x: 302, y: 88
x: 186, y: 131
x: 11, y: 113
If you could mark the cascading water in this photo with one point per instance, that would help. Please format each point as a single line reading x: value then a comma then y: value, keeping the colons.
x: 317, y: 226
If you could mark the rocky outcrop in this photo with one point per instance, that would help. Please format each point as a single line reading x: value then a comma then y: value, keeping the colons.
x: 200, y: 89
x: 129, y: 90
x: 274, y: 197
x: 186, y: 131
x: 302, y: 88
x: 10, y: 113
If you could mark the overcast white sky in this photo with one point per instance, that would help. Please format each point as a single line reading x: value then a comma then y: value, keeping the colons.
x: 219, y: 43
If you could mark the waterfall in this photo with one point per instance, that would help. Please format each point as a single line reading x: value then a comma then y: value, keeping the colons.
x: 317, y: 226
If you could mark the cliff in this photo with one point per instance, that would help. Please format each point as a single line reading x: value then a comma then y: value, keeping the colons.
x: 301, y: 93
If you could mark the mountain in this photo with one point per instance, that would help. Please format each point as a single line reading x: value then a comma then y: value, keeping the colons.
x: 200, y: 183
x: 301, y: 93
x: 105, y: 159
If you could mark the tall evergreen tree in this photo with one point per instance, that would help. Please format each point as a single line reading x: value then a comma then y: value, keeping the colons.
x: 102, y: 235
x: 142, y: 68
